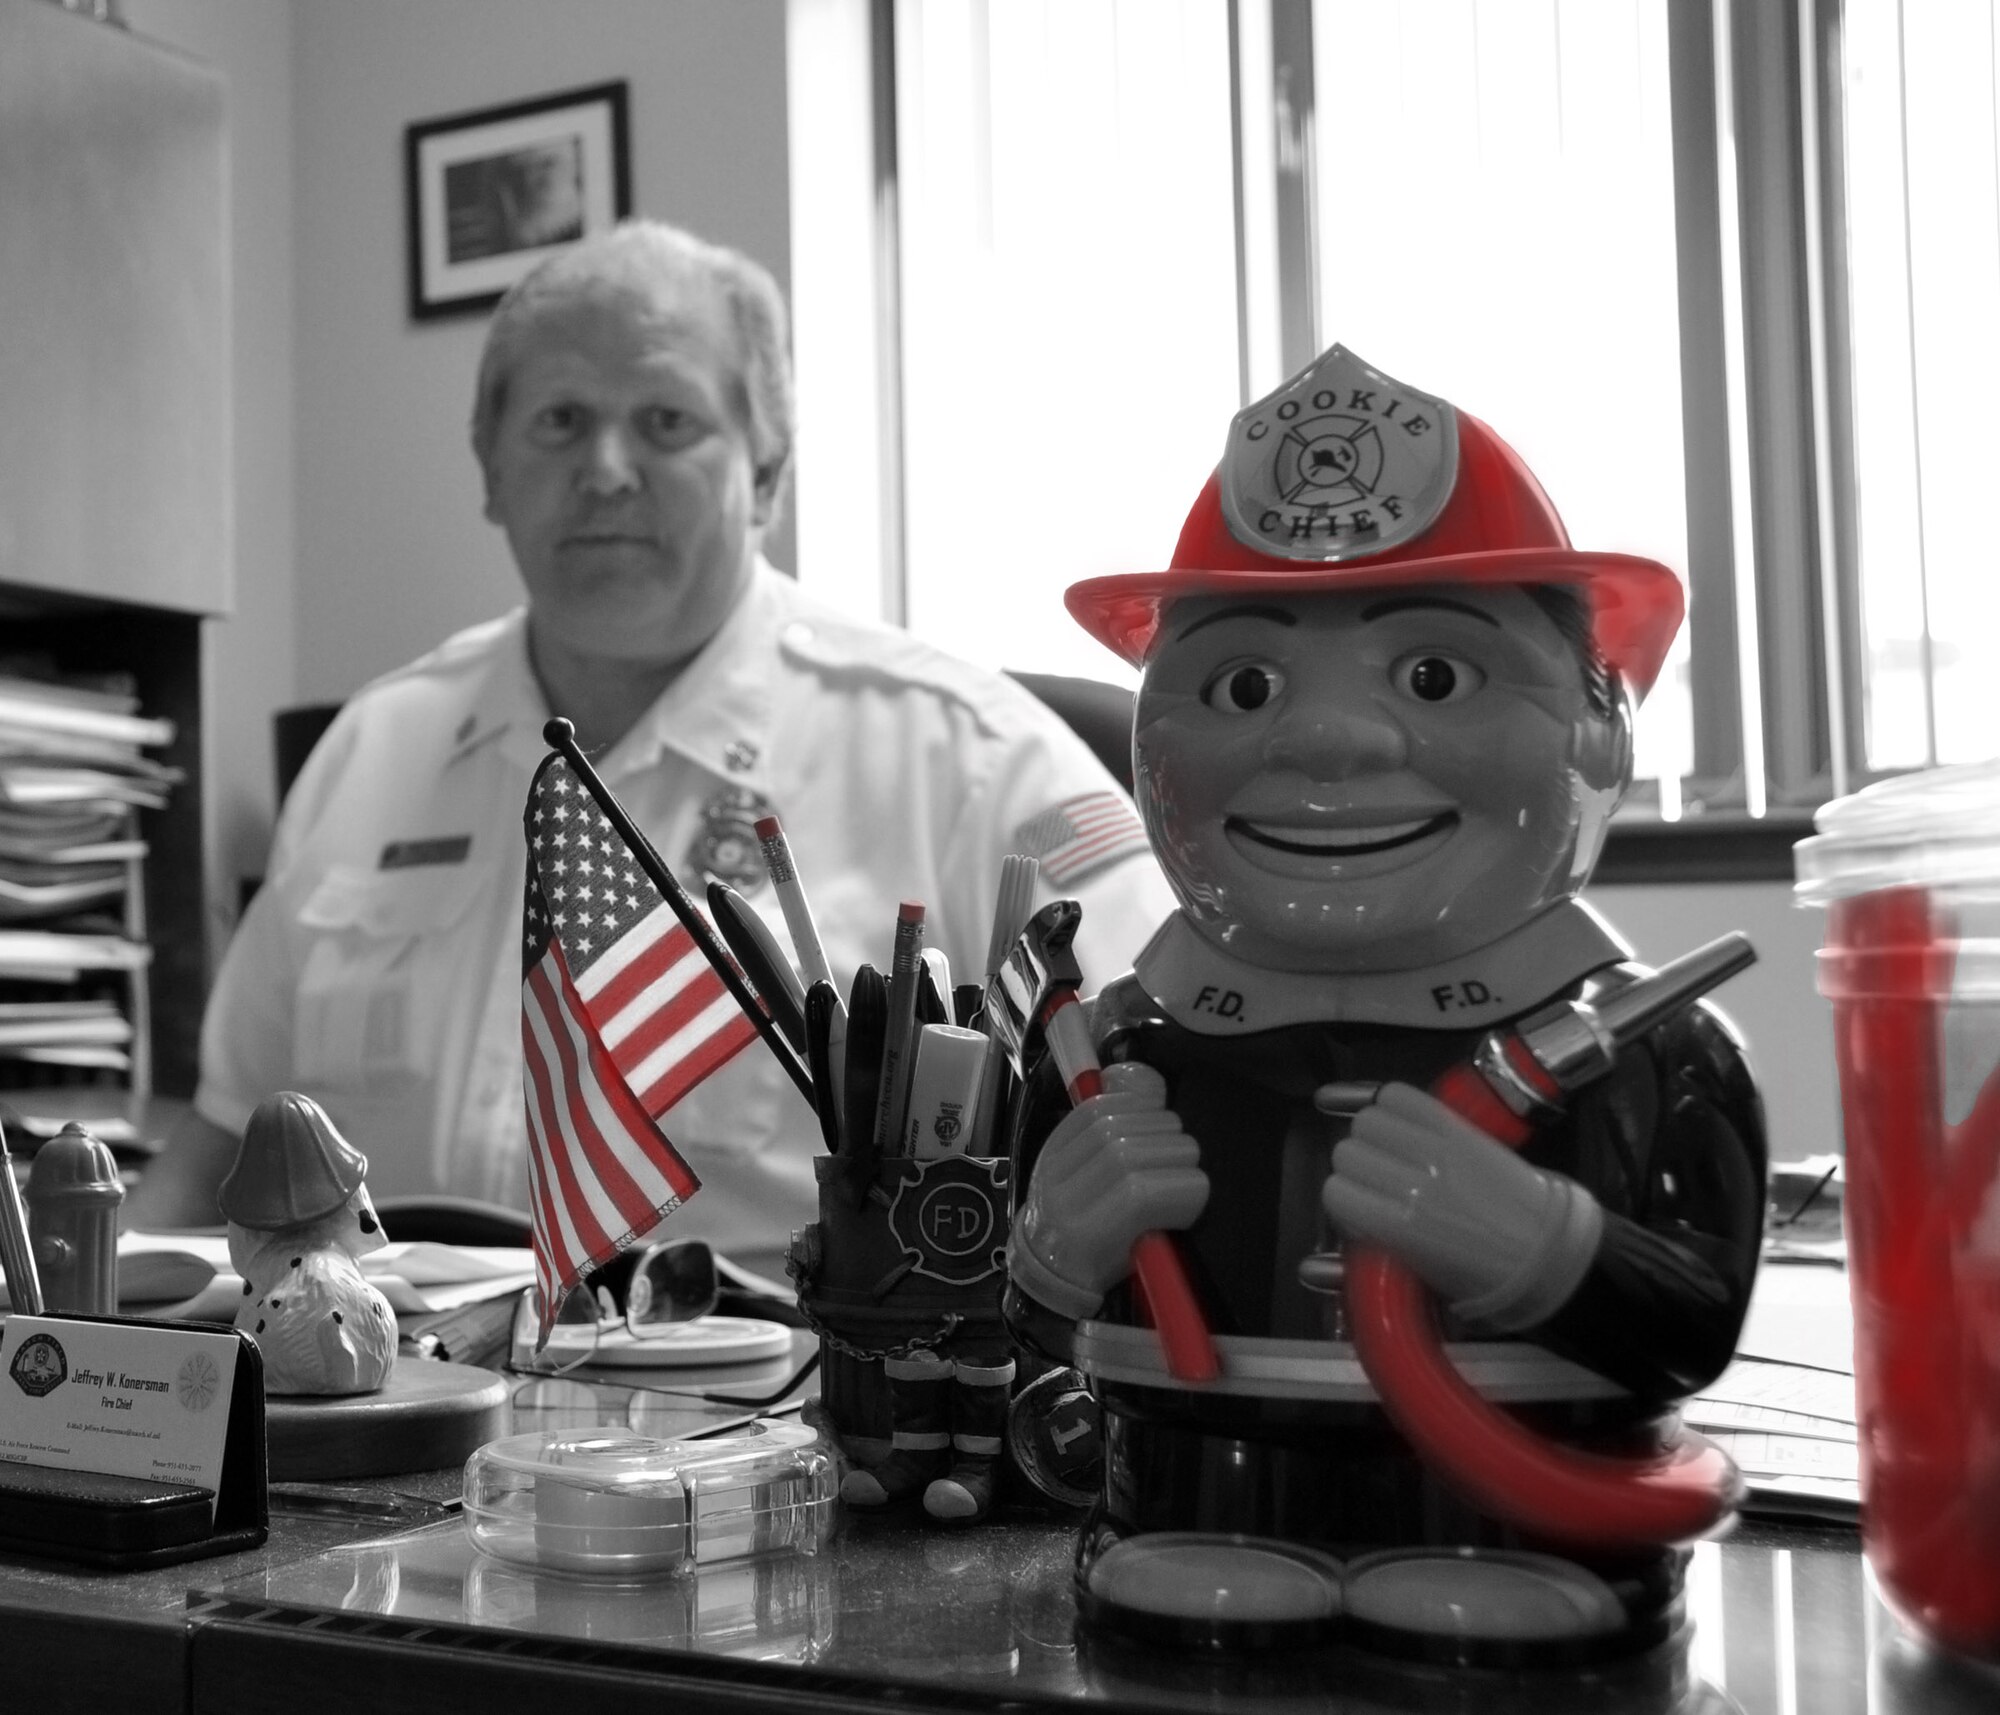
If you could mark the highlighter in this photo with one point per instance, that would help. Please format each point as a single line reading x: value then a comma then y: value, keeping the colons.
x: 944, y: 1091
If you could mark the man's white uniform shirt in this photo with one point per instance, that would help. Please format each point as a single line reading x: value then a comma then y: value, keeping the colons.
x: 379, y: 968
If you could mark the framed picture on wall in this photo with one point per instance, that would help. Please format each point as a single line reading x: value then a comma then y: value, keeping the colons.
x: 493, y: 192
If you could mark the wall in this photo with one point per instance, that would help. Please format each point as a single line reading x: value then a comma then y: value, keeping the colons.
x: 393, y: 552
x: 358, y: 535
x: 1788, y: 1026
x: 249, y: 663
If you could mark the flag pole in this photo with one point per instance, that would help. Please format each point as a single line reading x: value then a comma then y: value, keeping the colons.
x: 561, y: 735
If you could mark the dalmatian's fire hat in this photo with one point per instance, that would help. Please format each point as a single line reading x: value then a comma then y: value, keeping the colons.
x: 293, y: 1166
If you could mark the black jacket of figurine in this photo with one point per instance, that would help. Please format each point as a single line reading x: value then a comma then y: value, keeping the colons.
x: 1671, y: 1143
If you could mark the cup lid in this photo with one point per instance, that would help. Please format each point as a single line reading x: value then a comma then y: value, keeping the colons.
x: 1939, y: 827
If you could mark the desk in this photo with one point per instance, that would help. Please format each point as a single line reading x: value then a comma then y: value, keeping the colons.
x: 348, y: 1615
x: 980, y: 1620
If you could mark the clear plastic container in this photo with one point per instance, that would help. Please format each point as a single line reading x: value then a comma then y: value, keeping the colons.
x: 1909, y: 874
x: 610, y: 1504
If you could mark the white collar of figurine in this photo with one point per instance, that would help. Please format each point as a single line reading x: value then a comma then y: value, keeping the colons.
x: 1212, y: 993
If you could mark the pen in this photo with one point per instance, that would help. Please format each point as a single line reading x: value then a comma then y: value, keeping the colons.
x: 836, y: 1057
x: 906, y: 968
x: 792, y: 901
x: 474, y: 1333
x: 17, y: 1251
x: 867, y: 1011
x: 821, y: 1001
x: 934, y: 988
x: 328, y: 1500
x: 762, y: 959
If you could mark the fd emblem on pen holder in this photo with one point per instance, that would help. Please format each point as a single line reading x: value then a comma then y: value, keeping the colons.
x: 949, y: 1215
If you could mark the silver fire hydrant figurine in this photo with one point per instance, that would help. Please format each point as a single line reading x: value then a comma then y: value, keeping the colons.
x: 73, y: 1193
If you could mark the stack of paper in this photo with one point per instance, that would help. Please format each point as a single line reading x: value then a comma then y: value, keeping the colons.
x: 72, y: 774
x: 190, y: 1275
x: 1784, y: 1410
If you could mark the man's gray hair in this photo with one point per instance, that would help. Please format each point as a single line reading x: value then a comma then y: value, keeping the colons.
x: 658, y: 267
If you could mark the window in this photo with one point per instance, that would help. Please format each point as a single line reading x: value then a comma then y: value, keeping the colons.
x: 1724, y: 272
x: 1923, y: 247
x: 1494, y: 198
x: 1068, y: 304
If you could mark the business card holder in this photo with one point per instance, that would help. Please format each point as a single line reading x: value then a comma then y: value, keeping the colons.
x: 120, y: 1524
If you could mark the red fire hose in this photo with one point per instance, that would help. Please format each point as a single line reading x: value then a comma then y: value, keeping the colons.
x: 1496, y: 1462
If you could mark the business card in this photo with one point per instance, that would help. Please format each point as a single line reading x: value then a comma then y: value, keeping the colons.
x: 111, y: 1397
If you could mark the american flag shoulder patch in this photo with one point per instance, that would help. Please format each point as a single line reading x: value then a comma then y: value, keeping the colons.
x: 1080, y: 836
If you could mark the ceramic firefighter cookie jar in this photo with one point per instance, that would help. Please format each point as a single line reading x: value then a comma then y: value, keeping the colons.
x: 1466, y: 1199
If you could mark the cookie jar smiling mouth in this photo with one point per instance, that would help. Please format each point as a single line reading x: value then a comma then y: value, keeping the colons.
x: 1335, y: 841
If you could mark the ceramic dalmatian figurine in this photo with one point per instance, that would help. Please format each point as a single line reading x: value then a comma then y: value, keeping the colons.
x: 1383, y: 723
x: 300, y: 1218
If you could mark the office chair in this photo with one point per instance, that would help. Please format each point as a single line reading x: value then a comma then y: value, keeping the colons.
x: 451, y: 1221
x: 1098, y: 713
x: 294, y: 732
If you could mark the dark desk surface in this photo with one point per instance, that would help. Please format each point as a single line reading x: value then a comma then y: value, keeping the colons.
x: 1782, y: 1624
x: 359, y: 1614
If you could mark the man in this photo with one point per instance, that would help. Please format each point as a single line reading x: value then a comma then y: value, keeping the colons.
x: 633, y: 422
x: 1383, y: 724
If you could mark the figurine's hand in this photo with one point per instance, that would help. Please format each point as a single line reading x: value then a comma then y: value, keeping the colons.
x: 1503, y: 1243
x: 1117, y: 1166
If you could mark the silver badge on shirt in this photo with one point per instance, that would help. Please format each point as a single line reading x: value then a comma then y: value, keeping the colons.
x: 725, y: 846
x: 1339, y: 461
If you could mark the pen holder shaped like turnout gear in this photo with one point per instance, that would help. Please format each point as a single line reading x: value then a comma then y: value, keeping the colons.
x: 901, y: 1276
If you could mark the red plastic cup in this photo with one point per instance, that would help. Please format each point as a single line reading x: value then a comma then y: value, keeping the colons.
x: 1909, y: 874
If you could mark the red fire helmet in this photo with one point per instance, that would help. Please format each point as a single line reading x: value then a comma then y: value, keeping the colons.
x: 1344, y: 479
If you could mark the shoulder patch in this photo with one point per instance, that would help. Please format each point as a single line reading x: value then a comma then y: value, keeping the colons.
x: 1080, y: 836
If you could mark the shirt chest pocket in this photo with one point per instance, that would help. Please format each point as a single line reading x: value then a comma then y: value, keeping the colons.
x: 391, y: 954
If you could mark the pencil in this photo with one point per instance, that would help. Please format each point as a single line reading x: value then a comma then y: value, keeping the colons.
x: 792, y: 900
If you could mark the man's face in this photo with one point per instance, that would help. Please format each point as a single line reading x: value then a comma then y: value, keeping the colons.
x: 623, y: 475
x: 1369, y: 780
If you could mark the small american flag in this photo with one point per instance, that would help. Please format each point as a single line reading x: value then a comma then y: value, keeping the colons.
x: 621, y: 1016
x: 1081, y: 835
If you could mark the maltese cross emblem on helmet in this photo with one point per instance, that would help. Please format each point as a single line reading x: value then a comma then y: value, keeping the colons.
x: 1339, y: 461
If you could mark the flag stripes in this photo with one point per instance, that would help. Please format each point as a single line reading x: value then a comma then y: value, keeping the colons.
x: 687, y: 1056
x: 597, y: 1186
x: 1081, y: 835
x: 664, y: 1014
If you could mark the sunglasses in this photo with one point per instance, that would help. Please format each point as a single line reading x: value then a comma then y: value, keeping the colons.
x: 646, y: 1292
